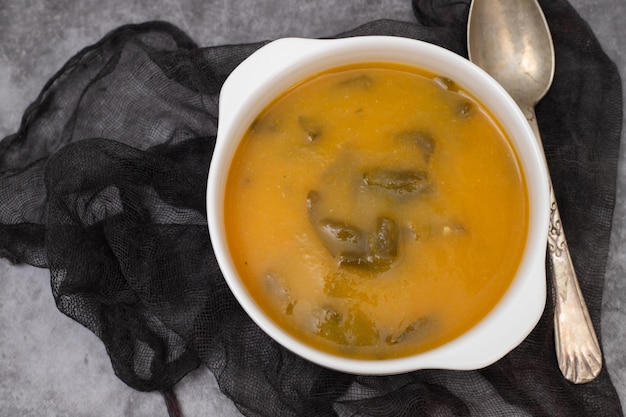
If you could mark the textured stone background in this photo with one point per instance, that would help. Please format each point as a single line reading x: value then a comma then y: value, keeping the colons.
x: 51, y: 366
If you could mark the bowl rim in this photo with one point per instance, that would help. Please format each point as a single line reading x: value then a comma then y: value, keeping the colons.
x: 282, y: 63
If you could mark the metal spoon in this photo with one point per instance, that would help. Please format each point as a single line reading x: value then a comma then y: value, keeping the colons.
x: 512, y: 42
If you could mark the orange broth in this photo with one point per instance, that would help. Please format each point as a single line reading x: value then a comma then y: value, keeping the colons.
x: 376, y: 211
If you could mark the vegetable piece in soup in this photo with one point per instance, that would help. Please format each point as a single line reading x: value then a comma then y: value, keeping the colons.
x: 376, y: 210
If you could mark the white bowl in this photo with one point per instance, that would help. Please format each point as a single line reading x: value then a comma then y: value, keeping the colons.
x: 282, y: 63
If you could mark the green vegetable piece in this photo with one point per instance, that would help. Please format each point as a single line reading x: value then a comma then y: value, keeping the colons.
x: 341, y: 231
x: 290, y: 307
x: 340, y: 237
x: 413, y: 330
x: 312, y: 128
x: 382, y: 249
x: 352, y: 259
x: 360, y: 329
x: 421, y: 139
x: 465, y: 109
x: 331, y: 325
x: 275, y: 287
x: 312, y: 199
x: 352, y: 246
x: 361, y: 82
x: 397, y: 181
x: 353, y: 329
x: 384, y: 243
x: 364, y: 261
x: 447, y: 83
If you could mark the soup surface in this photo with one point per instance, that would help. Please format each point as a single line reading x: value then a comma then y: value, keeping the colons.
x: 376, y: 211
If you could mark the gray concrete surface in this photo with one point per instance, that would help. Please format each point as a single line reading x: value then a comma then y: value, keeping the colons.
x: 51, y: 366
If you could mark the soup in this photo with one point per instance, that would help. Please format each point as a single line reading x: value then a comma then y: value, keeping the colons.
x: 376, y: 211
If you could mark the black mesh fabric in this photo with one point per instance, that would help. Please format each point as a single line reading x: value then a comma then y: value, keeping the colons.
x: 104, y: 184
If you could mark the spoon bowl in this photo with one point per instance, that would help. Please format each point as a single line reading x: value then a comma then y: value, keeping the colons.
x: 522, y: 63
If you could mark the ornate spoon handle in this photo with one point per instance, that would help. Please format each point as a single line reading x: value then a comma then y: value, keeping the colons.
x: 577, y: 348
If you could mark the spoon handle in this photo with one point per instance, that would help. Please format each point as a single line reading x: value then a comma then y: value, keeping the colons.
x: 577, y: 348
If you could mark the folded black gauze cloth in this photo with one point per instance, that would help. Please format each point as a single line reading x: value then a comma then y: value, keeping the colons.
x: 104, y: 184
